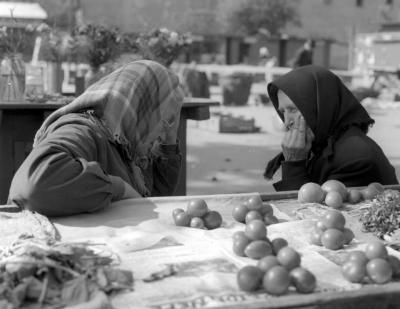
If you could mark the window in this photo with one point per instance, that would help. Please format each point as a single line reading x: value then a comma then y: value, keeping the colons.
x: 359, y: 3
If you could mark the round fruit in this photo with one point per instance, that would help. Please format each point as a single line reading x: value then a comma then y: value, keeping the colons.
x: 249, y: 278
x: 320, y: 226
x: 266, y: 209
x: 354, y: 271
x: 239, y: 235
x: 212, y: 220
x: 256, y: 229
x: 354, y: 196
x: 278, y: 244
x: 197, y: 222
x: 267, y: 262
x: 303, y: 280
x: 252, y: 215
x: 182, y: 219
x: 239, y: 213
x: 335, y: 185
x: 311, y: 193
x: 288, y: 258
x: 348, y: 235
x: 334, y: 199
x: 258, y: 249
x: 270, y: 219
x: 276, y: 280
x: 332, y: 239
x: 176, y: 211
x: 197, y: 208
x: 315, y: 237
x: 333, y: 219
x: 254, y: 203
x: 376, y: 249
x: 358, y: 257
x: 239, y: 245
x: 369, y: 193
x: 379, y: 270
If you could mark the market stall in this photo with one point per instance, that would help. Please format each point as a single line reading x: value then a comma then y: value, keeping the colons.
x: 183, y: 267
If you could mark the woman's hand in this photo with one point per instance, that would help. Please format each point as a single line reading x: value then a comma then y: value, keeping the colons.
x: 297, y: 141
x: 129, y: 192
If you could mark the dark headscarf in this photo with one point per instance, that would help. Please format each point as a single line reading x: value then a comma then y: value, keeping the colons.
x: 328, y: 107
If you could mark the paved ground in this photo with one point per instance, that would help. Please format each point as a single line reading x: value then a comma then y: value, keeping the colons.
x: 234, y: 163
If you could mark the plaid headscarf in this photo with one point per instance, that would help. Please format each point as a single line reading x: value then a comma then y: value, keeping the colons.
x: 134, y: 103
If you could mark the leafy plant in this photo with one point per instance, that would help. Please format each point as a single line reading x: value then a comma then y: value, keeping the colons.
x: 270, y: 16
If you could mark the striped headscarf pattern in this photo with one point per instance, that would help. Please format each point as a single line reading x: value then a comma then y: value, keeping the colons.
x: 134, y: 103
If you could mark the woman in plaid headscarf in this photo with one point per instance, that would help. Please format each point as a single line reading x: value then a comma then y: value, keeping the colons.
x: 117, y: 140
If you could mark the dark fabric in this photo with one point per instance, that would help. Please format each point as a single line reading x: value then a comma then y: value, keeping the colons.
x: 330, y: 110
x: 77, y: 169
x: 303, y: 57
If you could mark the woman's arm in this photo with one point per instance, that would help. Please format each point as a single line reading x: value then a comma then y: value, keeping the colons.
x: 61, y: 176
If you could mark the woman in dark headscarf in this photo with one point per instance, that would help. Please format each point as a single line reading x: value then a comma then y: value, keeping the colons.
x: 326, y: 133
x: 117, y: 140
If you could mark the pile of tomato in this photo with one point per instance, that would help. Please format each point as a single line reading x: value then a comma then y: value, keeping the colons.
x: 372, y: 265
x: 252, y: 209
x: 330, y: 231
x: 197, y: 215
x: 334, y: 193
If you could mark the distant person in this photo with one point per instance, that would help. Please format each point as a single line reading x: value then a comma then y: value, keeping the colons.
x: 117, y: 140
x: 267, y: 60
x: 304, y: 56
x: 326, y: 133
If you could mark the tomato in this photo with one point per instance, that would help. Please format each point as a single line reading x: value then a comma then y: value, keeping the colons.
x: 348, y: 235
x: 335, y: 185
x: 354, y: 196
x: 197, y: 222
x: 358, y: 257
x: 332, y: 239
x: 258, y: 249
x: 376, y: 249
x: 239, y: 235
x: 249, y: 278
x: 276, y: 280
x: 395, y: 264
x: 315, y: 237
x: 278, y: 244
x: 212, y: 220
x: 239, y: 245
x: 256, y: 229
x: 252, y: 215
x: 311, y: 193
x: 303, y: 280
x: 354, y: 271
x: 288, y: 258
x: 267, y: 262
x: 266, y: 209
x: 379, y: 270
x: 197, y: 208
x: 182, y: 219
x: 239, y: 213
x: 320, y: 226
x: 369, y: 193
x: 176, y: 211
x: 334, y: 199
x: 333, y: 219
x: 254, y: 203
x: 377, y: 186
x: 270, y: 219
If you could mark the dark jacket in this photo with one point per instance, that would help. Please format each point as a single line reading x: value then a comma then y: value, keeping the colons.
x: 356, y: 161
x: 77, y: 169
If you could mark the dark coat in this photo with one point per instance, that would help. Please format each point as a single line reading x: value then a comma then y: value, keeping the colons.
x: 341, y: 149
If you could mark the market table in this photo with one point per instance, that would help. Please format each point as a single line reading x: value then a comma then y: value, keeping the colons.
x: 19, y: 122
x: 142, y: 234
